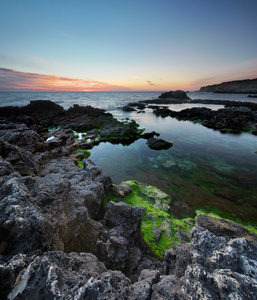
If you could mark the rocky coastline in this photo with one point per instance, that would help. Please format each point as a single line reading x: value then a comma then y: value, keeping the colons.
x: 236, y: 116
x: 66, y: 232
x: 246, y: 86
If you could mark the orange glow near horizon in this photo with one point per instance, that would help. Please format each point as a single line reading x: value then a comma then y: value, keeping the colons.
x: 13, y: 80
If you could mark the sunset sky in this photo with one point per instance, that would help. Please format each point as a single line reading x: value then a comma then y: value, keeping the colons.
x: 117, y: 45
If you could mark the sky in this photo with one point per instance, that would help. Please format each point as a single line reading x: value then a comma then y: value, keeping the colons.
x: 133, y: 45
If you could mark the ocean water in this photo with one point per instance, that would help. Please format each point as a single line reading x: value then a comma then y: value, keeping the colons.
x: 106, y: 100
x: 203, y: 168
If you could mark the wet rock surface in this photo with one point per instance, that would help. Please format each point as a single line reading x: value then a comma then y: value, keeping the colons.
x: 58, y: 239
x: 236, y: 116
x: 158, y: 144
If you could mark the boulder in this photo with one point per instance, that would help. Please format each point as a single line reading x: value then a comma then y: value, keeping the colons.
x: 158, y: 144
x: 174, y: 95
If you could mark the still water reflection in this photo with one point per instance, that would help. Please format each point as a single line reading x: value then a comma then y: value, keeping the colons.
x: 204, y: 167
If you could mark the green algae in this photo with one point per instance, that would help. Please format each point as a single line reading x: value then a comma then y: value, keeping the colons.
x: 159, y: 227
x: 86, y: 154
x: 219, y: 214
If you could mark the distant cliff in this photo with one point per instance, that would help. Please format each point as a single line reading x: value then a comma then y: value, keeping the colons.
x: 247, y: 86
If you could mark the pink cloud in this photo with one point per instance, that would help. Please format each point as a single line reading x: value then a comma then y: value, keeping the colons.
x: 11, y: 80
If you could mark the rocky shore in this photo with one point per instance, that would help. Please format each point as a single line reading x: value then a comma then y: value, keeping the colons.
x: 66, y: 232
x: 236, y: 116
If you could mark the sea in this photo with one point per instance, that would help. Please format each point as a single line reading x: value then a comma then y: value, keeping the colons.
x: 203, y: 170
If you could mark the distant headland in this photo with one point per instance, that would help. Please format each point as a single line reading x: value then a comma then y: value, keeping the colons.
x: 246, y: 86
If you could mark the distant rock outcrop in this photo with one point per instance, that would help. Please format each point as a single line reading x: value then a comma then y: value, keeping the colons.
x: 247, y: 86
x: 174, y: 95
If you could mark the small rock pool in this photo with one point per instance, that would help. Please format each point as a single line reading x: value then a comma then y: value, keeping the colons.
x: 204, y: 168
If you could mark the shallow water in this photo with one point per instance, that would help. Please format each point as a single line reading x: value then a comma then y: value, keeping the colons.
x: 204, y: 166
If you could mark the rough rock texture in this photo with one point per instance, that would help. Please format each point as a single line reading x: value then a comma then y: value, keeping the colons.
x: 209, y: 267
x: 248, y: 86
x: 227, y: 229
x: 220, y: 269
x: 59, y: 241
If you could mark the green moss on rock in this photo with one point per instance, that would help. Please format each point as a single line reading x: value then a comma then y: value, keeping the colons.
x: 219, y: 214
x: 159, y: 228
x: 85, y: 154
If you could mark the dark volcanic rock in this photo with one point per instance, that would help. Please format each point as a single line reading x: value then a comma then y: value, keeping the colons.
x: 53, y: 210
x: 220, y: 269
x: 195, y: 113
x: 229, y: 118
x: 58, y: 239
x: 42, y: 108
x: 158, y: 144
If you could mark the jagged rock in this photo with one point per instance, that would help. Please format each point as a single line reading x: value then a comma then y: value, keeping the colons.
x: 220, y: 269
x: 177, y: 259
x: 53, y: 210
x: 23, y: 161
x: 158, y: 144
x: 167, y: 288
x: 125, y: 222
x: 49, y: 206
x: 53, y: 275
